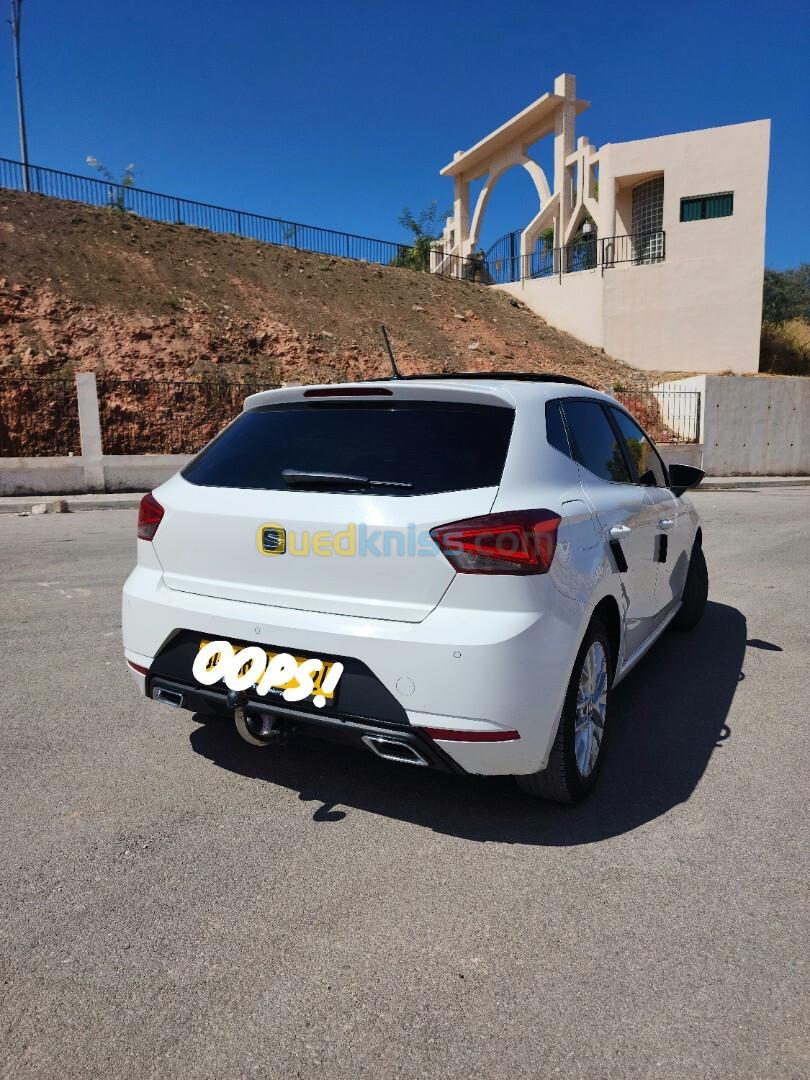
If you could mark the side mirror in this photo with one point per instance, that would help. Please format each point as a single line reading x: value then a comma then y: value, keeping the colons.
x: 683, y: 477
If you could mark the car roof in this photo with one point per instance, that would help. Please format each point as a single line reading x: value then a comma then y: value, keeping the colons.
x: 490, y: 376
x: 503, y: 387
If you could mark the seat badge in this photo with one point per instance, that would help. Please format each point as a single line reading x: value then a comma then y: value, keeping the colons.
x: 271, y: 540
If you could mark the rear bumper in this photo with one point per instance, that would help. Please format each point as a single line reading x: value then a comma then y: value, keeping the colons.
x: 461, y: 668
x: 333, y: 727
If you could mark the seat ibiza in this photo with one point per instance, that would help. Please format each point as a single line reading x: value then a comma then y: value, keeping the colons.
x: 449, y: 571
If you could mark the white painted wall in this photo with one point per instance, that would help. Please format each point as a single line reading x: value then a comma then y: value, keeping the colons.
x: 680, y: 400
x: 701, y: 308
x: 573, y: 304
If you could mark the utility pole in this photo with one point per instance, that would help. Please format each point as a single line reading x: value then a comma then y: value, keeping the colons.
x: 16, y: 12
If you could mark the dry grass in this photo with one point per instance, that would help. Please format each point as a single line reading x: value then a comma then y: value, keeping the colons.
x: 785, y: 348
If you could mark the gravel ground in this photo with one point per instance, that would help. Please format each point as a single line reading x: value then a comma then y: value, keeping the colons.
x: 176, y: 904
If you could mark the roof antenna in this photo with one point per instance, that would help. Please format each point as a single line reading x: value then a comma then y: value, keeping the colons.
x: 390, y: 352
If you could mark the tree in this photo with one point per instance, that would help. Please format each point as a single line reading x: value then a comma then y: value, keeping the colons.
x: 785, y: 340
x: 426, y: 229
x: 786, y: 295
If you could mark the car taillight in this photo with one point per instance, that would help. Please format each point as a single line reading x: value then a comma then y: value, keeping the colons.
x: 515, y: 542
x: 150, y: 516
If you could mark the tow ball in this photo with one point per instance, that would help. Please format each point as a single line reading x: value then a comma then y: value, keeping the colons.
x: 258, y: 729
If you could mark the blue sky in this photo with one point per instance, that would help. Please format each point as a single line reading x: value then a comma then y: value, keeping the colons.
x: 338, y: 113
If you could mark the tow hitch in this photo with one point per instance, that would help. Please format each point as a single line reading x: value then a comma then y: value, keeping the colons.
x: 259, y: 728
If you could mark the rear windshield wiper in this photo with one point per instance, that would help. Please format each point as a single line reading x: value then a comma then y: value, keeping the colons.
x: 296, y: 478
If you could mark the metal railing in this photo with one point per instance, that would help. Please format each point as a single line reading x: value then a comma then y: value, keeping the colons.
x: 175, y: 417
x: 667, y: 414
x: 583, y: 253
x: 497, y: 267
x: 39, y: 417
x: 593, y: 253
x: 474, y: 268
x: 503, y: 258
x: 641, y: 249
x: 171, y: 208
x: 151, y: 416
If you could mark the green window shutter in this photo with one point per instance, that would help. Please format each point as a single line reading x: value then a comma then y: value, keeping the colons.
x: 719, y: 205
x: 698, y: 207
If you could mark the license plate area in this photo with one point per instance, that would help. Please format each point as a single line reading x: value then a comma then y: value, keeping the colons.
x: 328, y: 695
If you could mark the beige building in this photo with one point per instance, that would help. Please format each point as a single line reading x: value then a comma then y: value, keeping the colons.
x: 660, y: 265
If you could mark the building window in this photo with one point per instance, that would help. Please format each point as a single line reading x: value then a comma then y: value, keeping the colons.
x: 698, y: 207
x: 648, y: 221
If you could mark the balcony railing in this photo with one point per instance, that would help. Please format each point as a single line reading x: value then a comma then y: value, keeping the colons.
x: 584, y: 253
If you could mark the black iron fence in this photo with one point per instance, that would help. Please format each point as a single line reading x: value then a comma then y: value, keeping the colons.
x: 170, y: 208
x: 640, y: 248
x: 504, y: 263
x: 474, y: 268
x: 150, y: 416
x: 592, y: 253
x: 503, y: 258
x: 39, y: 417
x: 667, y: 414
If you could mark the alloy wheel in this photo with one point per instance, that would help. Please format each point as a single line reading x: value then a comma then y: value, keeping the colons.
x: 589, y: 726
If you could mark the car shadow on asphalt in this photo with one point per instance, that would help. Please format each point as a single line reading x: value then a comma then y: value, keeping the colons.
x: 669, y: 717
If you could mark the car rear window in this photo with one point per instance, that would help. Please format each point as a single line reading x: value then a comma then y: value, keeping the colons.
x: 430, y: 446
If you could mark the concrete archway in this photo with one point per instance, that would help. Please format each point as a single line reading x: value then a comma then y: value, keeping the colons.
x: 553, y: 114
x: 538, y: 179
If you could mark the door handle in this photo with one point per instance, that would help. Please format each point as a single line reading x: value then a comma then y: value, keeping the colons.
x: 619, y: 530
x: 666, y: 523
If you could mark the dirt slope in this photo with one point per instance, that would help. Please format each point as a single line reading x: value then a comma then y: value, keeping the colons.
x: 83, y: 289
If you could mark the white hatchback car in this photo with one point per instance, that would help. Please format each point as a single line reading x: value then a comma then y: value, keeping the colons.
x: 448, y: 571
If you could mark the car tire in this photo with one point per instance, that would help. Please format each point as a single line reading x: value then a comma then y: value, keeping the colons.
x: 565, y: 779
x: 695, y: 592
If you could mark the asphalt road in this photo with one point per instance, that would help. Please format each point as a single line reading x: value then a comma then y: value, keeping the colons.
x: 176, y: 904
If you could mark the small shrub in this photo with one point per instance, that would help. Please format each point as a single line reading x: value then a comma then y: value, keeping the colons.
x: 117, y: 195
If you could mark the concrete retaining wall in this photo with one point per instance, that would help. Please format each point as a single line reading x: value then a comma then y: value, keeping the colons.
x: 136, y: 473
x: 67, y: 475
x: 42, y: 476
x: 752, y: 426
x: 682, y: 453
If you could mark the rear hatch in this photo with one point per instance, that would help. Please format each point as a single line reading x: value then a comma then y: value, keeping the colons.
x: 324, y: 504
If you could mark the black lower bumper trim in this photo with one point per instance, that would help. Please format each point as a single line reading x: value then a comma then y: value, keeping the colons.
x: 332, y: 727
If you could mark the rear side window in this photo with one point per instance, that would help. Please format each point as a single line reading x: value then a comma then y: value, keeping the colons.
x: 595, y: 443
x: 555, y: 428
x: 425, y: 446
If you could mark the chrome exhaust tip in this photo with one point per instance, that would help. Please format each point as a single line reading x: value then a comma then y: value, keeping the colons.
x: 170, y: 697
x: 392, y: 749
